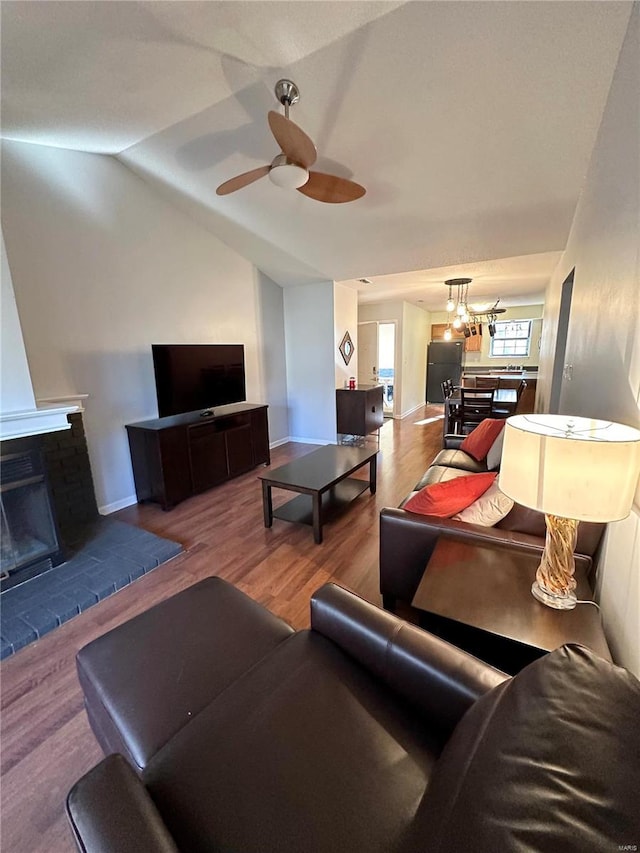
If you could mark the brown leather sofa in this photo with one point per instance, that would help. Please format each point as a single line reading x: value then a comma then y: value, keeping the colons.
x: 363, y: 733
x: 407, y: 539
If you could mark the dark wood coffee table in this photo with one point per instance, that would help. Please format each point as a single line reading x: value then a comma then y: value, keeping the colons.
x: 322, y: 478
x: 479, y: 598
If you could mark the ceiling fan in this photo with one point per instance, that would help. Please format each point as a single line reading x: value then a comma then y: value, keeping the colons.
x: 290, y: 168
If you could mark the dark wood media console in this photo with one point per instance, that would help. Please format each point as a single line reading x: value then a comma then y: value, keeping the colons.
x: 176, y: 457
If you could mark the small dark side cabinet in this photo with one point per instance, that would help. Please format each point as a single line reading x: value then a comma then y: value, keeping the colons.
x: 176, y: 457
x: 359, y: 411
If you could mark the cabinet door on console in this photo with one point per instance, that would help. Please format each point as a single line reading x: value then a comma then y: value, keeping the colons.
x: 208, y: 457
x: 171, y: 482
x: 239, y: 449
x: 260, y: 430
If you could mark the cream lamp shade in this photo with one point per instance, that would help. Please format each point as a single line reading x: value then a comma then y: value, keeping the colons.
x: 571, y: 467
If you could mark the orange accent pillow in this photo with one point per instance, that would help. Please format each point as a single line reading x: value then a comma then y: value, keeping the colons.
x: 446, y: 499
x: 478, y: 442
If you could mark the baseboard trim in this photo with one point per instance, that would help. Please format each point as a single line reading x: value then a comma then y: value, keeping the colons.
x: 279, y: 442
x: 298, y: 440
x: 107, y: 509
x: 411, y: 411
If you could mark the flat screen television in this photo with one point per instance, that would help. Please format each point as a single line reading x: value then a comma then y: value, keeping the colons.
x: 197, y: 376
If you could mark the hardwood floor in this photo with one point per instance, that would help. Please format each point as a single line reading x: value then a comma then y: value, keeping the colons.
x: 46, y: 742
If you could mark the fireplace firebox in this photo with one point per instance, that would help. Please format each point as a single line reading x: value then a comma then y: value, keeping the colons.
x: 29, y: 539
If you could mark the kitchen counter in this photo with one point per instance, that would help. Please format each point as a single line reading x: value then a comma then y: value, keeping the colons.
x: 498, y: 374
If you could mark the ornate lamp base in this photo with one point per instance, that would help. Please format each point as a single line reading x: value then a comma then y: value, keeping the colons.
x: 555, y: 584
x: 558, y: 602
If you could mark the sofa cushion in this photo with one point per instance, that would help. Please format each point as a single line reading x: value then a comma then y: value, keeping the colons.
x: 488, y: 509
x: 546, y: 761
x: 143, y: 681
x: 436, y: 474
x: 494, y: 454
x: 308, y: 752
x: 478, y: 443
x: 447, y: 498
x: 460, y: 460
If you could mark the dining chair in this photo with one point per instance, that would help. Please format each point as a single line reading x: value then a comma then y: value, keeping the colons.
x: 476, y: 404
x: 453, y: 421
x: 505, y: 413
x: 505, y: 410
x: 487, y: 382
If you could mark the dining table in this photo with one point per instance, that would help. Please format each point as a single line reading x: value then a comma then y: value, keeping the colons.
x: 503, y: 398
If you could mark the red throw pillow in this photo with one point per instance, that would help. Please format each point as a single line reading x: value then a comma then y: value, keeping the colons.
x: 448, y: 498
x: 479, y: 441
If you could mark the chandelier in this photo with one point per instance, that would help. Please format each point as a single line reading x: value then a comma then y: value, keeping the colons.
x: 466, y: 320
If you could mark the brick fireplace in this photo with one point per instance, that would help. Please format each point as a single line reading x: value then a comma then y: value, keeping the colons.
x: 46, y: 495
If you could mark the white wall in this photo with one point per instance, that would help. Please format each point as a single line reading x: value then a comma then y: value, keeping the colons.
x: 345, y: 314
x: 272, y: 363
x: 16, y: 391
x: 311, y: 378
x: 103, y: 267
x: 603, y: 343
x: 416, y: 327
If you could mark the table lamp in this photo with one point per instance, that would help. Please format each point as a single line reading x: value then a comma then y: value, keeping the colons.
x: 571, y: 469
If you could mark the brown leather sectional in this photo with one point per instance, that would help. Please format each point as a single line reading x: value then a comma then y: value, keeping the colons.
x: 408, y: 539
x: 363, y: 733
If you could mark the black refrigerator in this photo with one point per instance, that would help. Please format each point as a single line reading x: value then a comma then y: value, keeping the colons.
x: 444, y: 361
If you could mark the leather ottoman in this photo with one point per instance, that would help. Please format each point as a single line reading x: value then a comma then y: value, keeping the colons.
x: 200, y: 641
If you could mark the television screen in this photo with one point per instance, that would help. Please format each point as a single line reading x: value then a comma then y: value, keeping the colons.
x: 197, y: 376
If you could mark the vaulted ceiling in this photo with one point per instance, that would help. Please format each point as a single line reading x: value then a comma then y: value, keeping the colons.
x: 470, y: 124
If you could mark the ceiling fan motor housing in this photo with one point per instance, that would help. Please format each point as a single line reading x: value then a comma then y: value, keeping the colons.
x: 287, y: 92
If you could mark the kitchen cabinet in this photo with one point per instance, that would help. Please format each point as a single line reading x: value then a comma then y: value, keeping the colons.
x: 471, y: 344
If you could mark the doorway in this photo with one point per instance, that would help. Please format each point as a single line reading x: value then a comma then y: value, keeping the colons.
x: 377, y: 360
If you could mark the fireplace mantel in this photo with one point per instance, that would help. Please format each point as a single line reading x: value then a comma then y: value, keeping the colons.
x: 48, y: 418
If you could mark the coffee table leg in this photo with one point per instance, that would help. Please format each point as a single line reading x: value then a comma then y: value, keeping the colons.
x: 267, y: 505
x: 373, y: 474
x: 317, y: 518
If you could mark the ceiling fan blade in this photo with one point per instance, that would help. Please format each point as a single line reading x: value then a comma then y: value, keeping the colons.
x: 331, y: 188
x: 242, y: 180
x: 293, y: 141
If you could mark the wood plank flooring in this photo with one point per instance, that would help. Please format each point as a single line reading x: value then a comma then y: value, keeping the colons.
x: 46, y: 743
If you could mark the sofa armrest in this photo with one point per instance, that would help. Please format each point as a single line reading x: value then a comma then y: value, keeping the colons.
x: 436, y: 677
x: 110, y: 811
x: 452, y: 441
x: 407, y: 541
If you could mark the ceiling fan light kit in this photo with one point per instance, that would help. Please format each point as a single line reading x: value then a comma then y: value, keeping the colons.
x: 287, y: 175
x: 290, y: 169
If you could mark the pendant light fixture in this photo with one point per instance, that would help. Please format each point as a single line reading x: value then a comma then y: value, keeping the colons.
x: 457, y: 304
x: 465, y: 319
x: 450, y: 303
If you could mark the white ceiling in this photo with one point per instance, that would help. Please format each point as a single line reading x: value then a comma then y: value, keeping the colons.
x: 513, y: 281
x: 470, y: 123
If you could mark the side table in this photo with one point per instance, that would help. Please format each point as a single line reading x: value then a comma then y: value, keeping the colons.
x: 359, y: 411
x: 479, y: 598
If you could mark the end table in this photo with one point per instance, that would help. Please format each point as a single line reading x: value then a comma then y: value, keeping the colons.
x: 478, y: 597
